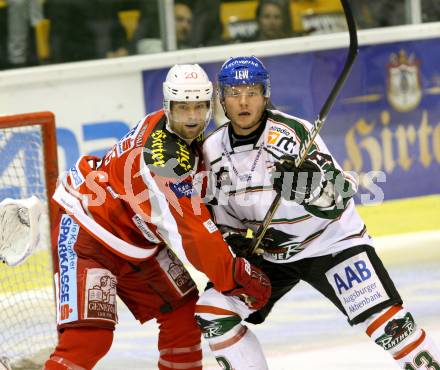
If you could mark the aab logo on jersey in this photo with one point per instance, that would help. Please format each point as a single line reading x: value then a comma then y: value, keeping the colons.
x: 356, y: 284
x: 67, y: 270
x: 281, y: 139
x: 355, y: 274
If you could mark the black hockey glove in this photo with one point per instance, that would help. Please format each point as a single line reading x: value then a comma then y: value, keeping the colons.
x: 302, y: 185
x: 241, y: 245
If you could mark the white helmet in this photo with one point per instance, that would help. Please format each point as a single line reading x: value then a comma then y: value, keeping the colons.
x: 187, y: 82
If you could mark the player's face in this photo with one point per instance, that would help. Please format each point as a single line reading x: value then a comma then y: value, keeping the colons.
x: 244, y: 105
x: 187, y: 119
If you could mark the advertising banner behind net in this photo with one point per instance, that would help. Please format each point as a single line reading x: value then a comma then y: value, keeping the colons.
x: 386, y: 119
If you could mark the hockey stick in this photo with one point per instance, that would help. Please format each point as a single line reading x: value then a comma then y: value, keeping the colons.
x: 317, y: 125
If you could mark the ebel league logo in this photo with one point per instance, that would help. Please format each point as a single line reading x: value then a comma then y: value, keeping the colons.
x: 182, y: 189
x: 76, y: 176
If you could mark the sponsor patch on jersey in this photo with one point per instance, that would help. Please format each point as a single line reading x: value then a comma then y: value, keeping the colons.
x: 281, y: 139
x: 124, y: 145
x: 100, y: 298
x: 182, y: 189
x: 128, y: 140
x: 157, y: 150
x: 183, y: 155
x: 76, y: 176
x: 67, y: 260
x: 145, y: 230
x: 210, y: 226
x: 140, y: 136
x: 175, y: 271
x: 357, y: 285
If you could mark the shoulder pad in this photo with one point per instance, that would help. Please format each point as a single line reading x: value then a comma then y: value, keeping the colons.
x: 167, y: 155
x: 212, y: 133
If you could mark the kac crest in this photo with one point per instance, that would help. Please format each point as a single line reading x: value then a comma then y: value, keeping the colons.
x: 404, y: 87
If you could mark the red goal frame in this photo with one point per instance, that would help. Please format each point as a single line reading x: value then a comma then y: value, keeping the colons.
x: 48, y: 128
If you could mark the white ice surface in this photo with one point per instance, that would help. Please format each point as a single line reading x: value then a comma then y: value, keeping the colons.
x: 305, y: 331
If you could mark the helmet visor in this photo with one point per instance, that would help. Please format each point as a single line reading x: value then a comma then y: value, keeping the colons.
x: 248, y: 90
x: 188, y: 119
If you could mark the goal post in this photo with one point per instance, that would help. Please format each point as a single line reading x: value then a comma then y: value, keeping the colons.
x: 28, y: 167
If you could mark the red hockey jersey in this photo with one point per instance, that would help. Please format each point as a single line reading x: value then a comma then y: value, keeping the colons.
x: 141, y: 194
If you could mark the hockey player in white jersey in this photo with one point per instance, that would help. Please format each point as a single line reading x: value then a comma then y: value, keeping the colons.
x: 316, y: 234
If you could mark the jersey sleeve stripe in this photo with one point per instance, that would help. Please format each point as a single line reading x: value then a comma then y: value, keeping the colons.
x: 161, y: 215
x: 229, y: 342
x: 120, y: 247
x: 382, y: 319
x: 357, y: 235
x: 286, y: 221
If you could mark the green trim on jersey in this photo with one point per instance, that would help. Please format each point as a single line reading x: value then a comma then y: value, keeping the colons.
x: 299, y: 128
x: 328, y: 167
x: 290, y: 220
x: 346, y: 188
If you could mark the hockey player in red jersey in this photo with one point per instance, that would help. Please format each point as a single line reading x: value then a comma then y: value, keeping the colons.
x: 316, y: 235
x: 127, y: 221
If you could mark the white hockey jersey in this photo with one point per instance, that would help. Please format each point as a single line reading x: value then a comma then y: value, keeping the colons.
x: 241, y: 192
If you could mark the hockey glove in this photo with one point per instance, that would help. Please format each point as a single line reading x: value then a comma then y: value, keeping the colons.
x: 302, y: 185
x: 239, y: 244
x: 242, y: 245
x: 253, y: 288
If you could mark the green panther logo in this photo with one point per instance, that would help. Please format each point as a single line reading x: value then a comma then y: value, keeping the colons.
x: 224, y: 363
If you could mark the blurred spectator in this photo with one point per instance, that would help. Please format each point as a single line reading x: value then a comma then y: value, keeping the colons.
x: 23, y: 16
x: 207, y: 26
x: 146, y: 38
x: 85, y: 29
x: 19, y: 20
x: 378, y: 13
x: 430, y: 10
x: 273, y: 19
x: 385, y: 13
x: 183, y: 17
x: 71, y: 36
x: 124, y: 17
x: 197, y: 24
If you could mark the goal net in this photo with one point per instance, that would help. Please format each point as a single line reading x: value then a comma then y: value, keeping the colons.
x: 28, y: 166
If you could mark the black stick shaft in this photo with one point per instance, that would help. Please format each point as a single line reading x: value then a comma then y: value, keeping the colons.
x: 319, y: 122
